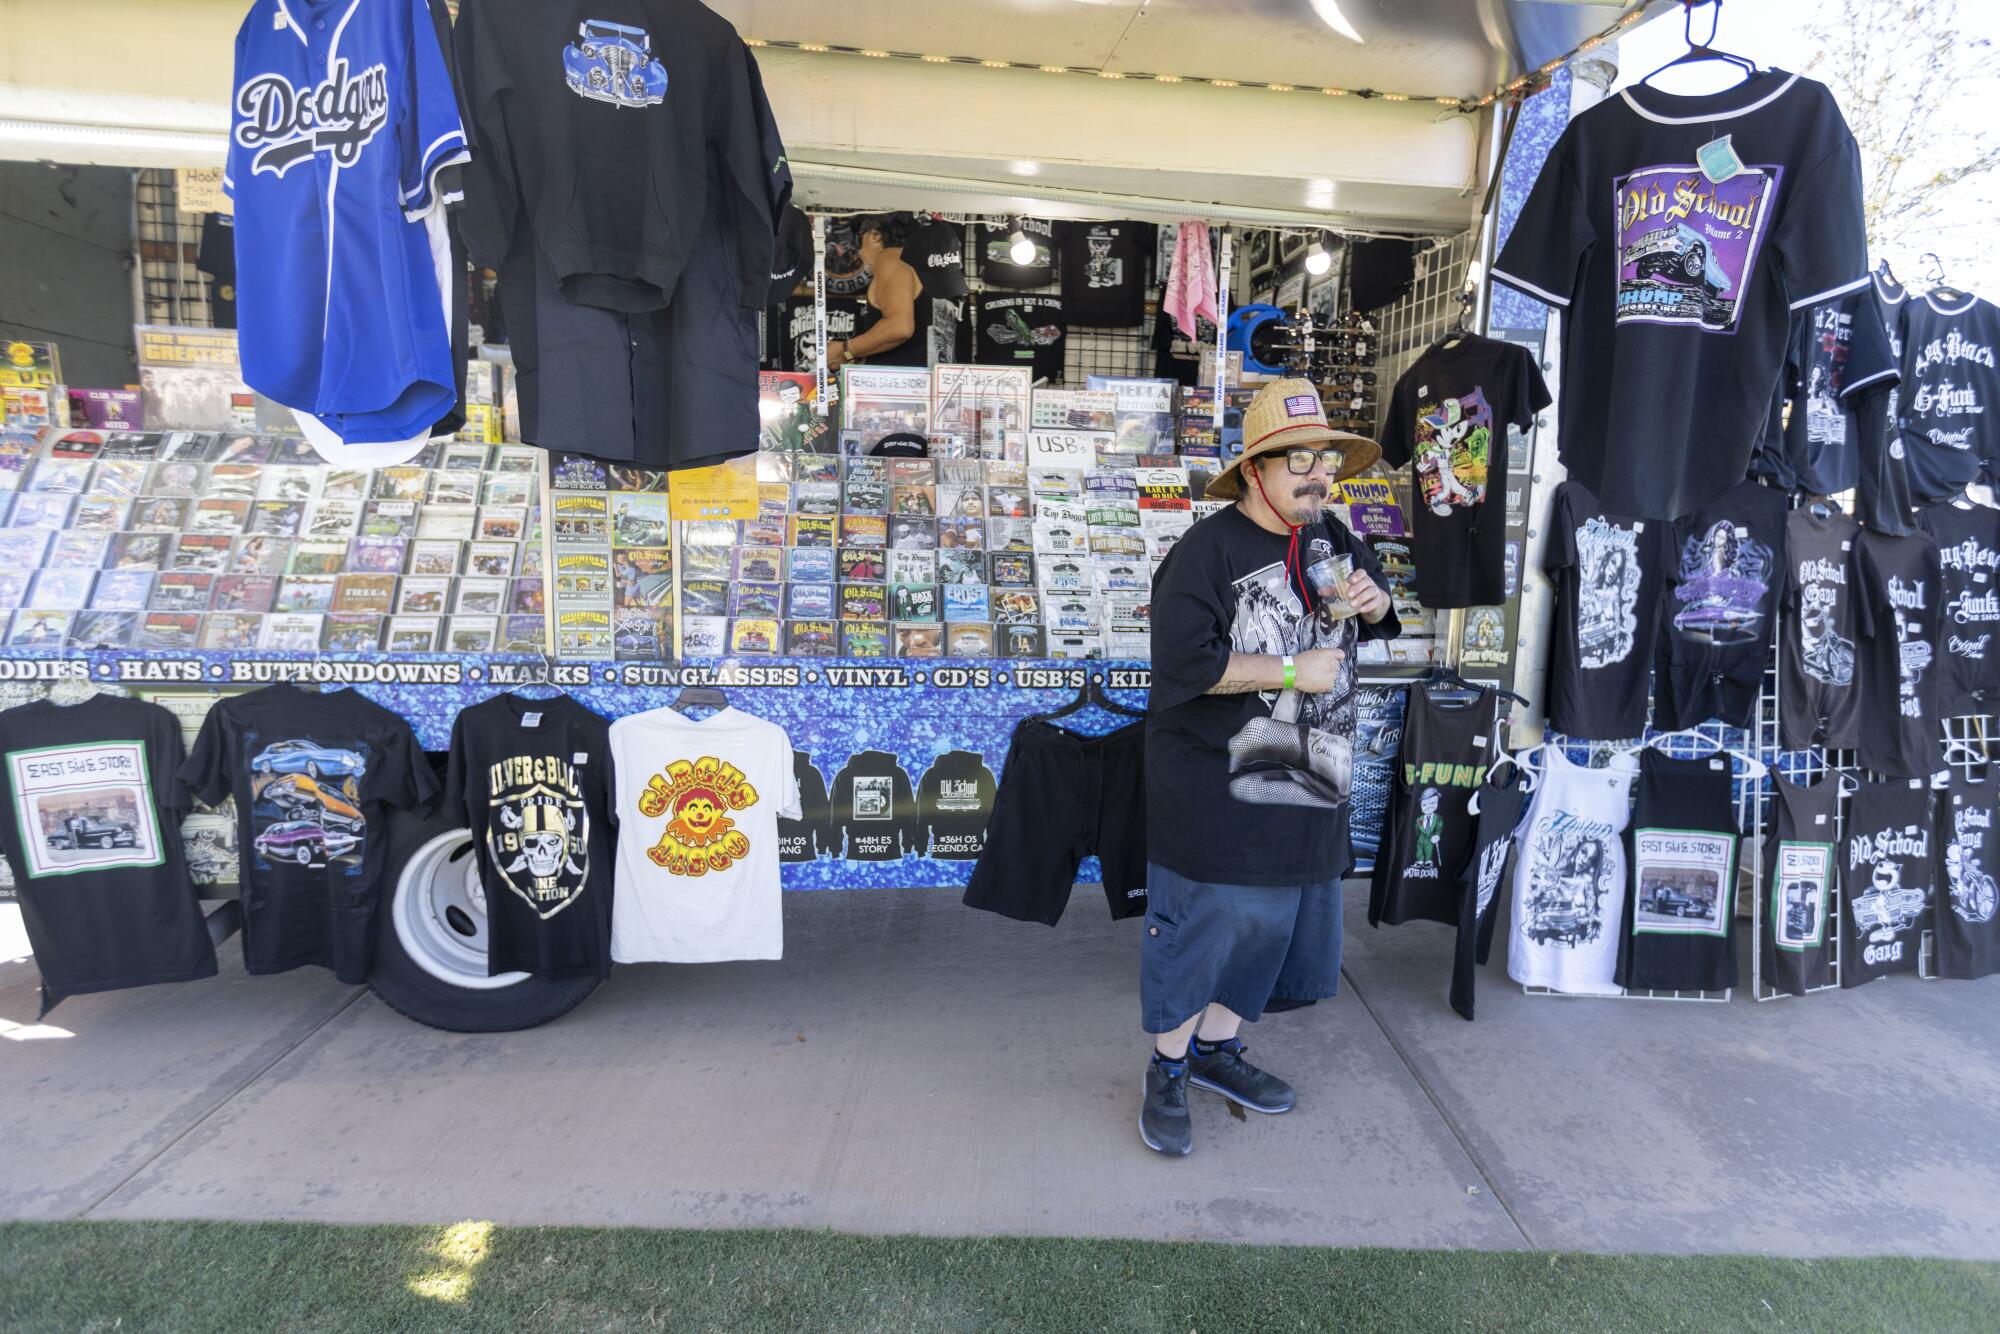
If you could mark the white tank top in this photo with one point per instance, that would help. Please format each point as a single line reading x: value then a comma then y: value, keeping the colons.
x: 1569, y: 880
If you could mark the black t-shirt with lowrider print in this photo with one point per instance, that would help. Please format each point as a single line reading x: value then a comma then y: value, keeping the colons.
x: 314, y: 776
x: 1249, y: 789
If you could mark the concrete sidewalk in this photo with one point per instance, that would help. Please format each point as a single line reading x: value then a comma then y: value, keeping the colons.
x: 913, y: 1066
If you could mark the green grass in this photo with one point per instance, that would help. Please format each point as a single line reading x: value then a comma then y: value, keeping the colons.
x: 209, y: 1276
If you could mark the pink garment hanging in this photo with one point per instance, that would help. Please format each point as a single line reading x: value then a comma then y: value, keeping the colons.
x: 1191, y: 281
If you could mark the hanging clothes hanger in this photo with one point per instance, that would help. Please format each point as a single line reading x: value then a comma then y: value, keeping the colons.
x: 1935, y: 276
x: 1882, y: 267
x: 699, y: 697
x: 1441, y: 675
x: 1702, y: 52
x: 1753, y: 768
x: 1090, y: 691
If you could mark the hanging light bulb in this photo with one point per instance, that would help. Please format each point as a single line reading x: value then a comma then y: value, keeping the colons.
x: 1020, y: 249
x: 1317, y: 260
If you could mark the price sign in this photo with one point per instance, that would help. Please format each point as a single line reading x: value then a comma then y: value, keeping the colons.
x: 724, y: 491
x: 1067, y: 449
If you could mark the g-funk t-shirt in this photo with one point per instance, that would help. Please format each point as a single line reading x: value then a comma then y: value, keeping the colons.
x: 1607, y: 571
x: 698, y: 805
x: 1968, y: 539
x: 1950, y: 394
x: 1897, y: 596
x: 1442, y: 761
x: 1724, y: 584
x: 1450, y: 413
x: 1677, y: 287
x: 531, y: 779
x: 1104, y: 271
x: 94, y: 842
x: 313, y: 775
x: 1275, y: 767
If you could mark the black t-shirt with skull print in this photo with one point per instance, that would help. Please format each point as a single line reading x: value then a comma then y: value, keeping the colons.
x: 1249, y: 789
x: 532, y: 778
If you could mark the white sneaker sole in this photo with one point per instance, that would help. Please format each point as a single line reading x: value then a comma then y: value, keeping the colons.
x: 1146, y: 1139
x: 1239, y: 1100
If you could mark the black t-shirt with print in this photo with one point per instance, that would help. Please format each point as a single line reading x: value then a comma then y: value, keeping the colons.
x: 1802, y: 862
x: 1680, y: 881
x: 796, y: 349
x: 1676, y: 290
x: 996, y: 264
x: 94, y: 842
x: 875, y: 809
x: 1021, y: 330
x: 1897, y: 596
x: 1442, y: 761
x: 1819, y: 694
x: 1882, y: 500
x: 1450, y: 413
x: 1725, y: 582
x: 1275, y: 768
x: 810, y: 837
x: 1104, y: 271
x: 532, y: 780
x: 1888, y: 861
x: 1608, y: 571
x: 1503, y: 799
x: 1950, y: 393
x: 314, y: 776
x: 1968, y: 539
x: 1839, y: 353
x: 956, y: 797
x: 936, y: 250
x: 1965, y: 916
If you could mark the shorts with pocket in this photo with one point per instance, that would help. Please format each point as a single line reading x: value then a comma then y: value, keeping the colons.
x: 1241, y: 945
x: 1064, y: 796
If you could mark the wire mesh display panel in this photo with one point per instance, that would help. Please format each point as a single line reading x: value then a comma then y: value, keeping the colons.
x: 1411, y: 323
x: 175, y: 291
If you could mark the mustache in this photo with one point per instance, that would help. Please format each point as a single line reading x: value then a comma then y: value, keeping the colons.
x: 1317, y: 489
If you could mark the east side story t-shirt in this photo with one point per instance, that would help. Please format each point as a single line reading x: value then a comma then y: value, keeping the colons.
x: 314, y: 775
x: 94, y: 840
x: 531, y: 778
x: 698, y: 805
x: 1450, y: 413
x: 1676, y: 288
x: 1274, y: 768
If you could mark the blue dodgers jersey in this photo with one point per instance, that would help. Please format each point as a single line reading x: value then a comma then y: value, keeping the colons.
x: 343, y: 116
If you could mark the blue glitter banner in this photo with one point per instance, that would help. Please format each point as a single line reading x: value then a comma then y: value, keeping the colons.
x: 917, y: 711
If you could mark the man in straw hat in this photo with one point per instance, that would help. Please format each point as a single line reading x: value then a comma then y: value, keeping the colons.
x: 1249, y: 744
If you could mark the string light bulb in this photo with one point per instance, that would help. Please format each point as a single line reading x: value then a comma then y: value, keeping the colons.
x: 1019, y: 248
x: 1317, y: 260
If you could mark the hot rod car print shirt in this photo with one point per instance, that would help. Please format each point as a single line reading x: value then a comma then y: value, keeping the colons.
x: 1677, y: 235
x: 313, y: 775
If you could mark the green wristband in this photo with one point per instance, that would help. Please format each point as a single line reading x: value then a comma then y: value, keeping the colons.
x: 1291, y: 672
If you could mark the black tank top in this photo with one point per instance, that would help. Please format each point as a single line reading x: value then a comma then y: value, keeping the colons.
x: 1442, y: 762
x: 912, y: 351
x: 1680, y: 890
x: 1802, y: 877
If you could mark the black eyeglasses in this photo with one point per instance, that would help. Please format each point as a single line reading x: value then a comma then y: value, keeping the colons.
x: 1301, y: 461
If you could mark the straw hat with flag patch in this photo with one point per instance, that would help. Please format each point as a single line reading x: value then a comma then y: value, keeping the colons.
x: 1284, y: 414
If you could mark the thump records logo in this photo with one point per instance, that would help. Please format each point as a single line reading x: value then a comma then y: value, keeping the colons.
x: 337, y: 116
x: 538, y: 832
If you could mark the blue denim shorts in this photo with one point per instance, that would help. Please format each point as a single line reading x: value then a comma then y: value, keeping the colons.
x: 1242, y: 945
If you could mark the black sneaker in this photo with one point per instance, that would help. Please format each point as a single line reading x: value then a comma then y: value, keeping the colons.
x: 1223, y: 1070
x: 1163, y: 1116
